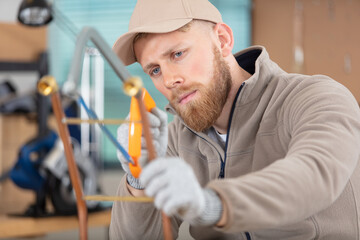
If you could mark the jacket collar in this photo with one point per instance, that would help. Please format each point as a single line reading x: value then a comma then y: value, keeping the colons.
x: 256, y: 61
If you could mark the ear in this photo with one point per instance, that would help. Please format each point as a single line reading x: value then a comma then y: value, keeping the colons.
x: 225, y: 37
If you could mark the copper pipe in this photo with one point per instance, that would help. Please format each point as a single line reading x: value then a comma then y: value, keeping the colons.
x: 73, y: 170
x: 47, y: 86
x: 152, y: 155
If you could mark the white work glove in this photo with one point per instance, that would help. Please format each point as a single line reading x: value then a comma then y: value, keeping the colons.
x: 159, y: 131
x: 176, y: 191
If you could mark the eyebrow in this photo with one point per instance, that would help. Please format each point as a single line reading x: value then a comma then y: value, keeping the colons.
x: 164, y: 54
x: 148, y: 66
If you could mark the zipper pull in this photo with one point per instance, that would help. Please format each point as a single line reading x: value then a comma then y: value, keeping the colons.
x: 222, y: 174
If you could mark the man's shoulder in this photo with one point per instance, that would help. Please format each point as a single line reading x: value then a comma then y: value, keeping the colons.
x: 316, y: 83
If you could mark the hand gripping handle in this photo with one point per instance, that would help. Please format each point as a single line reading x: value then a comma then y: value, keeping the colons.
x: 135, y: 130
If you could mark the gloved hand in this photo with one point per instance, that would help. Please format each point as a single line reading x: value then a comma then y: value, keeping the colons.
x: 158, y: 127
x: 159, y: 132
x: 176, y: 191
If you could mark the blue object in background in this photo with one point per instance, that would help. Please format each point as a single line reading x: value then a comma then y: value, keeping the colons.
x: 26, y: 173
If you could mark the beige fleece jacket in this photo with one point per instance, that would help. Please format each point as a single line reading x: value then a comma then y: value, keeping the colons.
x: 291, y: 162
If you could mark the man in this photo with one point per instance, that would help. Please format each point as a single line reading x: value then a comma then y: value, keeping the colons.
x: 253, y: 152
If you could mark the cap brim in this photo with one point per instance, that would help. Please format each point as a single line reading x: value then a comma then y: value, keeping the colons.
x: 123, y: 46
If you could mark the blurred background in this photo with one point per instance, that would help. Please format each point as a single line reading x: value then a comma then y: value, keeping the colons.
x: 302, y: 36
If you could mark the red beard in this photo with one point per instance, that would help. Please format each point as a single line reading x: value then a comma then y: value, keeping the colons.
x: 201, y: 113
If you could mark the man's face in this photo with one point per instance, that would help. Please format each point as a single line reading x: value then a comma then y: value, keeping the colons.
x: 189, y: 70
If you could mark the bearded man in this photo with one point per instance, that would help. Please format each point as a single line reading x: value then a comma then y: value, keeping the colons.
x: 253, y: 152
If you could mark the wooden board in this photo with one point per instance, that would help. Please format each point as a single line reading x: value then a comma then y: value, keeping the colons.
x: 27, y: 227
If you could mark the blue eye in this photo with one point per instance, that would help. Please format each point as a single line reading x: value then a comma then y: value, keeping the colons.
x: 155, y: 71
x: 178, y: 54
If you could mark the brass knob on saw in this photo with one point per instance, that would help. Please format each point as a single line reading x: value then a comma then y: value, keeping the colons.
x: 47, y: 85
x: 132, y: 86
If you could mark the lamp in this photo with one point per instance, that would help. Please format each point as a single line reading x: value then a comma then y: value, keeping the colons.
x: 35, y: 13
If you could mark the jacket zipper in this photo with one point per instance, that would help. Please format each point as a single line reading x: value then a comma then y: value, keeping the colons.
x: 222, y: 169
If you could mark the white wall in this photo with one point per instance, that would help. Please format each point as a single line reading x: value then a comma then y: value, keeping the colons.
x: 8, y: 10
x: 24, y: 81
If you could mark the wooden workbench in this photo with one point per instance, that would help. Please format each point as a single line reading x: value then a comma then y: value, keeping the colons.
x: 28, y: 227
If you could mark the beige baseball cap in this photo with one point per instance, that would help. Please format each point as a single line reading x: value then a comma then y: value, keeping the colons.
x: 162, y: 16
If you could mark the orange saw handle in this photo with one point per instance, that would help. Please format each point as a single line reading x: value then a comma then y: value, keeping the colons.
x: 135, y: 130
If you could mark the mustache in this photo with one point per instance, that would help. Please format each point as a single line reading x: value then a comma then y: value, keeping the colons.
x: 180, y: 91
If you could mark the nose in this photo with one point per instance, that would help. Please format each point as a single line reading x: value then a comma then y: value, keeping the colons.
x: 171, y: 77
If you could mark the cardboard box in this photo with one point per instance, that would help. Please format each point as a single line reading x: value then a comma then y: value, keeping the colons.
x: 325, y: 30
x: 19, y: 43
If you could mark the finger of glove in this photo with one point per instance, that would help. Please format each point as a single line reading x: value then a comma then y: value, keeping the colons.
x: 156, y: 186
x: 161, y: 115
x: 125, y: 166
x: 123, y: 139
x: 154, y: 141
x: 155, y: 135
x: 153, y: 169
x: 161, y: 199
x: 163, y: 128
x: 175, y: 206
x: 158, y: 147
x: 123, y: 135
x: 154, y: 121
x: 155, y: 130
x: 143, y: 158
